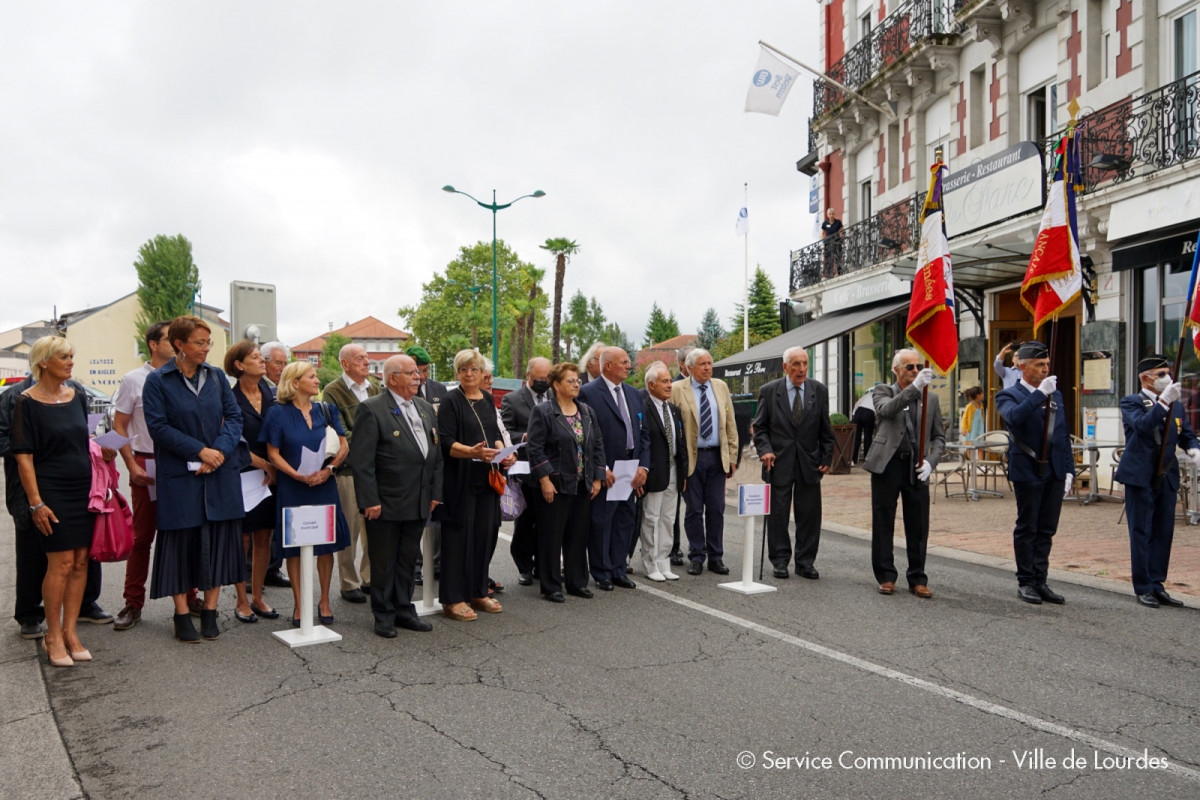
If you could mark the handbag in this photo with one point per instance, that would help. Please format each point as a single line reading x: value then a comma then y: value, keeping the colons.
x: 512, y: 502
x: 497, y: 481
x: 333, y: 442
x: 112, y: 536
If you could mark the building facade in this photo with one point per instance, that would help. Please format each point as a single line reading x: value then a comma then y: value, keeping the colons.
x: 379, y: 339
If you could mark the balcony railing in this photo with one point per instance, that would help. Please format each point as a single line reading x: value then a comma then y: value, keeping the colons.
x: 909, y: 25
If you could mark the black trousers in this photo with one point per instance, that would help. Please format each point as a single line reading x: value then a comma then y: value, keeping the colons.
x: 31, y: 571
x: 1038, y: 506
x: 524, y: 547
x: 1150, y: 515
x: 563, y: 527
x: 899, y: 482
x: 392, y: 548
x: 864, y: 433
x: 805, y: 500
x: 468, y: 542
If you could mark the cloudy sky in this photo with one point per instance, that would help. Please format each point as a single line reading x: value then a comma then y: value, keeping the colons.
x: 305, y: 144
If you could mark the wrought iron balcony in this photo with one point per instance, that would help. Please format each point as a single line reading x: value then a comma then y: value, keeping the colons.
x: 891, y: 232
x: 906, y: 27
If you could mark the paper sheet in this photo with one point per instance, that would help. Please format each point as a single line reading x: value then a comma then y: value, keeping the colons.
x: 112, y: 439
x: 310, y: 461
x: 152, y: 472
x: 254, y: 491
x: 506, y: 452
x: 519, y: 468
x: 93, y: 421
x: 624, y: 472
x: 194, y: 466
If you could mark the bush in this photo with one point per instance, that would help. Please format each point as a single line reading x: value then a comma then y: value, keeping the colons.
x: 838, y: 418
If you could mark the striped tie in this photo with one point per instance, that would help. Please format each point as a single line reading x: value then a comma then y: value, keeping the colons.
x: 706, y: 427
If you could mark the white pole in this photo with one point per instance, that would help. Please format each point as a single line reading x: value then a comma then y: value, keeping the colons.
x: 748, y: 553
x: 306, y: 590
x: 428, y: 604
x: 746, y: 284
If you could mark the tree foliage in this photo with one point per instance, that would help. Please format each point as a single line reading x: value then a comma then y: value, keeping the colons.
x: 167, y: 281
x: 613, y: 336
x: 563, y: 249
x: 660, y: 327
x: 764, y: 308
x: 710, y: 331
x: 331, y: 368
x: 583, y: 325
x: 731, y: 344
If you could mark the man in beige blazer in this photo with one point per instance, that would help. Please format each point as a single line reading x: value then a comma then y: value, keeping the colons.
x: 710, y: 432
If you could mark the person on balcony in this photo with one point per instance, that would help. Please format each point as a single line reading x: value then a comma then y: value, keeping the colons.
x: 831, y: 230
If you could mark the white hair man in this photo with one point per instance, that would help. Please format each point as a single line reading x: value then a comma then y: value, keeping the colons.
x: 900, y: 462
x: 277, y: 356
x: 668, y: 462
x: 589, y: 365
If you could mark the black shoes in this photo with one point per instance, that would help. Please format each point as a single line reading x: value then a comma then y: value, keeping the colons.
x: 418, y: 578
x: 695, y: 567
x: 624, y: 582
x: 96, y: 615
x: 525, y: 579
x: 185, y: 631
x: 385, y: 630
x: 128, y: 617
x: 1029, y: 594
x: 32, y: 630
x: 277, y: 578
x: 419, y: 625
x: 208, y: 624
x: 554, y: 597
x: 354, y: 596
x: 781, y: 572
x: 808, y: 572
x: 1050, y: 596
x: 262, y: 612
x: 718, y: 567
x: 1166, y: 600
x: 1148, y: 600
x: 676, y: 558
x: 586, y: 593
x: 606, y: 586
x: 251, y: 617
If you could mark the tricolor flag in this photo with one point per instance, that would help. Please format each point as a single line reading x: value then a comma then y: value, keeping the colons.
x: 743, y: 222
x: 932, y: 321
x: 1193, y: 317
x: 1055, y: 276
x: 770, y: 84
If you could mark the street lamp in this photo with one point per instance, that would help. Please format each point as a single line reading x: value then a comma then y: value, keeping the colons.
x: 474, y: 290
x: 493, y: 207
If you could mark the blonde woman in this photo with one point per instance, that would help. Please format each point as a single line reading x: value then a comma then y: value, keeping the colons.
x: 50, y: 442
x: 293, y: 424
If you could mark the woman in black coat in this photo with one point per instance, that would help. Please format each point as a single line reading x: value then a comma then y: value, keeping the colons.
x: 566, y: 457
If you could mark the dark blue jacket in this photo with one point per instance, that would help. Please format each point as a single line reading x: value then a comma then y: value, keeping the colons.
x: 553, y: 451
x: 181, y: 424
x: 612, y: 428
x: 1024, y: 415
x: 1144, y: 421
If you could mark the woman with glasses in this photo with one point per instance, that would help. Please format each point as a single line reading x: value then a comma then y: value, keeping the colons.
x: 196, y: 427
x: 566, y: 457
x: 470, y: 438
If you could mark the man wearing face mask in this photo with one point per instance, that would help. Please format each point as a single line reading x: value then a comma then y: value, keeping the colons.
x: 515, y: 409
x: 1150, y: 495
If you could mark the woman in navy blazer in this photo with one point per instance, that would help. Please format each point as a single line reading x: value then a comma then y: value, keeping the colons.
x: 196, y: 427
x: 566, y: 457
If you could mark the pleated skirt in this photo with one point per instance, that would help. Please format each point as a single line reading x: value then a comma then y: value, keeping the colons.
x: 204, y: 558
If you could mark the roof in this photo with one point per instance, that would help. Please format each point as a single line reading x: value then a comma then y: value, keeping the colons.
x: 71, y: 317
x: 365, y: 328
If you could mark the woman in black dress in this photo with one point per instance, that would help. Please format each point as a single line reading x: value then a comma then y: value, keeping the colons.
x: 50, y: 442
x: 253, y: 395
x: 467, y: 430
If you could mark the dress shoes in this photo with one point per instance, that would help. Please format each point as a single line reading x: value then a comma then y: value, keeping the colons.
x: 525, y: 579
x: 695, y: 568
x: 1029, y: 594
x: 921, y: 591
x: 657, y: 577
x: 263, y: 612
x: 418, y: 625
x: 1165, y: 599
x: 96, y: 615
x: 277, y: 578
x: 195, y: 605
x: 718, y: 566
x: 676, y: 558
x: 128, y: 617
x: 586, y: 593
x: 385, y: 630
x: 604, y: 586
x: 808, y: 572
x: 624, y: 582
x: 887, y: 587
x: 554, y: 597
x: 671, y: 576
x: 781, y: 572
x: 247, y: 618
x: 354, y: 596
x: 1148, y: 600
x: 32, y: 630
x: 1049, y: 595
x: 418, y: 579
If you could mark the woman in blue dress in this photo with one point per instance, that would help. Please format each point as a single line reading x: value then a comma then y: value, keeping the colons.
x: 293, y: 424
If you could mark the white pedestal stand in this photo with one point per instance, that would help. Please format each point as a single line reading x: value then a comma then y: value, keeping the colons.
x: 429, y: 604
x: 747, y: 585
x: 307, y: 633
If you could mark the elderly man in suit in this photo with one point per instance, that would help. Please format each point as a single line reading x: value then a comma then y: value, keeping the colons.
x: 515, y: 408
x: 355, y: 386
x: 896, y: 472
x: 1150, y: 496
x: 618, y: 407
x: 710, y: 432
x: 589, y: 365
x: 398, y: 482
x: 1039, y: 485
x: 668, y: 462
x: 794, y: 441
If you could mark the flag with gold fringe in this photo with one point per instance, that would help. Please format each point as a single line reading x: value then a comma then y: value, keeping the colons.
x: 1054, y: 277
x: 932, y: 318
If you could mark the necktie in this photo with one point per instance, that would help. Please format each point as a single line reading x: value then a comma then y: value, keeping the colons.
x: 625, y: 418
x: 670, y: 433
x: 538, y: 399
x: 418, y: 429
x: 798, y: 406
x: 706, y: 426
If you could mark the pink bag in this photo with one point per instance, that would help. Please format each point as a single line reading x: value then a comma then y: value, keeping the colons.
x: 112, y: 538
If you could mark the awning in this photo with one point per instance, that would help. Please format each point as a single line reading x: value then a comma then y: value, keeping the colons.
x: 1164, y: 247
x: 978, y: 266
x: 767, y: 357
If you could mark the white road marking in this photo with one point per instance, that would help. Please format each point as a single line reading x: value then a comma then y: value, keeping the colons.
x: 920, y: 683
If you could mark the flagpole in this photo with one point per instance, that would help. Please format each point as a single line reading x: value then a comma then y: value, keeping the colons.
x: 746, y: 283
x: 823, y: 77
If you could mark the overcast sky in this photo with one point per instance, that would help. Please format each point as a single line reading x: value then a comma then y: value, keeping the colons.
x: 305, y: 144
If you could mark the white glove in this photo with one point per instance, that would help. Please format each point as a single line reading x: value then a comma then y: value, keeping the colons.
x: 1069, y: 486
x: 1048, y: 385
x: 923, y: 379
x: 925, y: 470
x: 1194, y: 454
x: 1171, y: 393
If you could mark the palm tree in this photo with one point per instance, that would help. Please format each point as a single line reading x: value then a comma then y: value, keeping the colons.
x: 563, y: 249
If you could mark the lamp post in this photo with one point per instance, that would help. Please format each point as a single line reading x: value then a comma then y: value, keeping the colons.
x: 474, y: 290
x: 494, y: 208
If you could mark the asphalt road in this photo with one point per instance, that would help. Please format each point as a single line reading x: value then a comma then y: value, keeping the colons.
x: 675, y: 690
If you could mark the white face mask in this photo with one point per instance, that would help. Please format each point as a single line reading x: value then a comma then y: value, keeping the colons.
x: 1161, y: 383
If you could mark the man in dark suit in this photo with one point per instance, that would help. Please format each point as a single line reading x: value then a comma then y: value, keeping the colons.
x: 618, y: 409
x: 794, y: 441
x: 892, y: 460
x: 667, y: 478
x: 398, y: 482
x: 433, y: 393
x: 1039, y: 485
x: 1149, y: 496
x: 515, y: 408
x: 676, y: 555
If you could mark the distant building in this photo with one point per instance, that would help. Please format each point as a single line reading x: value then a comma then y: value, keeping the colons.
x: 379, y: 339
x: 666, y: 352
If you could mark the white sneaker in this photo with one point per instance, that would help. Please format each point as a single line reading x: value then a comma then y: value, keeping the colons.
x: 656, y: 576
x: 671, y: 576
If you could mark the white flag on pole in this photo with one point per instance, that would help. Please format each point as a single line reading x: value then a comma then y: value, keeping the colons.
x: 743, y: 222
x: 770, y: 84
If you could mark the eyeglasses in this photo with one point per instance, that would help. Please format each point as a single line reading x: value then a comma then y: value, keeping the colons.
x: 204, y: 345
x: 468, y: 369
x: 911, y: 367
x: 570, y: 382
x: 412, y: 373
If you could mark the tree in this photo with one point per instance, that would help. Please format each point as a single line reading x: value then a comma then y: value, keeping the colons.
x: 563, y: 249
x: 521, y: 341
x: 764, y: 308
x: 584, y: 324
x: 710, y: 331
x: 613, y: 336
x: 167, y: 282
x: 660, y: 327
x: 731, y: 344
x: 331, y: 368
